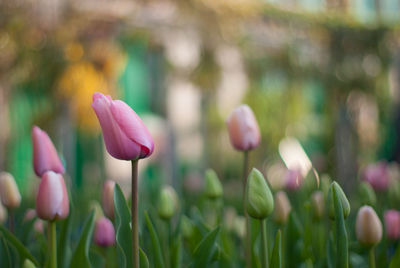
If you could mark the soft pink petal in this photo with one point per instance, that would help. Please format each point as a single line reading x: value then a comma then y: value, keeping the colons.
x: 131, y: 124
x: 117, y: 143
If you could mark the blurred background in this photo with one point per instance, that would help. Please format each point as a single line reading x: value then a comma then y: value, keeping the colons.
x: 324, y: 72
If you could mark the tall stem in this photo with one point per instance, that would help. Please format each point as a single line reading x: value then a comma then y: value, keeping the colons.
x: 53, y: 244
x: 371, y: 257
x: 248, y: 234
x: 264, y: 245
x: 135, y: 232
x: 11, y: 220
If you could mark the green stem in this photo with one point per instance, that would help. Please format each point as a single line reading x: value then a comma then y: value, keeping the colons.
x: 52, y: 244
x: 135, y: 232
x: 371, y: 257
x: 248, y: 234
x: 264, y: 245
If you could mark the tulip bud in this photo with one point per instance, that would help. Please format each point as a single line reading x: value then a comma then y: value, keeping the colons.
x: 392, y: 224
x: 259, y: 199
x: 9, y: 193
x: 52, y: 198
x: 28, y: 264
x: 213, y: 187
x: 342, y: 198
x: 168, y: 203
x: 104, y: 233
x: 318, y: 205
x: 3, y: 213
x: 45, y: 157
x: 29, y: 214
x: 125, y: 135
x: 38, y: 226
x: 239, y: 226
x: 243, y: 129
x: 282, y: 207
x: 367, y: 194
x: 108, y: 198
x: 293, y: 179
x: 368, y: 227
x: 377, y: 175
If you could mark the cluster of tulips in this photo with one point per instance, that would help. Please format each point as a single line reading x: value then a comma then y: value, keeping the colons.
x: 305, y: 226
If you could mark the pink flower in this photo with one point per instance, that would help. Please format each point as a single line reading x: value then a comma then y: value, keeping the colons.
x: 108, y: 198
x: 293, y: 179
x: 377, y: 175
x: 52, y: 198
x: 125, y: 135
x: 243, y: 129
x: 45, y: 156
x: 104, y: 234
x: 392, y: 224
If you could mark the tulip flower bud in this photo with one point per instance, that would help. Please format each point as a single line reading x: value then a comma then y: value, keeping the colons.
x: 259, y: 199
x: 392, y: 224
x: 168, y: 203
x: 45, y: 157
x: 243, y: 129
x: 28, y: 264
x: 9, y: 193
x: 104, y: 233
x: 52, y: 198
x: 368, y: 227
x: 29, y: 214
x: 108, y: 198
x: 3, y: 213
x: 125, y: 135
x: 367, y: 194
x: 213, y: 187
x: 293, y: 179
x: 377, y: 175
x: 318, y: 205
x: 282, y: 207
x: 342, y: 198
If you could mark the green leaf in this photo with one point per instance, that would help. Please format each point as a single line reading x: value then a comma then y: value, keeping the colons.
x: 123, y: 230
x: 5, y: 257
x: 342, y: 247
x: 330, y: 248
x: 63, y: 249
x: 395, y: 262
x: 21, y: 249
x: 176, y: 252
x: 158, y: 259
x: 80, y: 257
x: 144, y: 261
x: 205, y: 250
x: 276, y: 258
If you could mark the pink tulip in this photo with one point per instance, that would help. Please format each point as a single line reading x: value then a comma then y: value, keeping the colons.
x: 108, y: 198
x: 293, y: 179
x: 104, y: 234
x: 125, y: 135
x: 52, y: 198
x: 392, y: 224
x: 377, y: 175
x: 243, y: 129
x: 45, y: 156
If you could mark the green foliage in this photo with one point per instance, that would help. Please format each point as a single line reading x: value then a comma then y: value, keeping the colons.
x: 158, y: 259
x: 342, y: 247
x: 123, y: 234
x: 205, y: 250
x: 80, y: 258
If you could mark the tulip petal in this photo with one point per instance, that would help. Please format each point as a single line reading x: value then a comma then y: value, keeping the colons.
x: 117, y: 142
x: 131, y: 124
x: 45, y: 156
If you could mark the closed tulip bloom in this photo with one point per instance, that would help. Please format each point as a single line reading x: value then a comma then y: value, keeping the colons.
x: 45, y: 157
x: 168, y: 203
x: 368, y: 227
x: 342, y: 197
x: 392, y: 224
x: 377, y: 175
x: 108, y: 198
x: 104, y: 233
x: 213, y: 186
x: 125, y: 135
x: 52, y: 198
x: 243, y: 129
x: 318, y: 205
x: 29, y: 214
x: 9, y: 193
x: 282, y: 207
x: 293, y: 179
